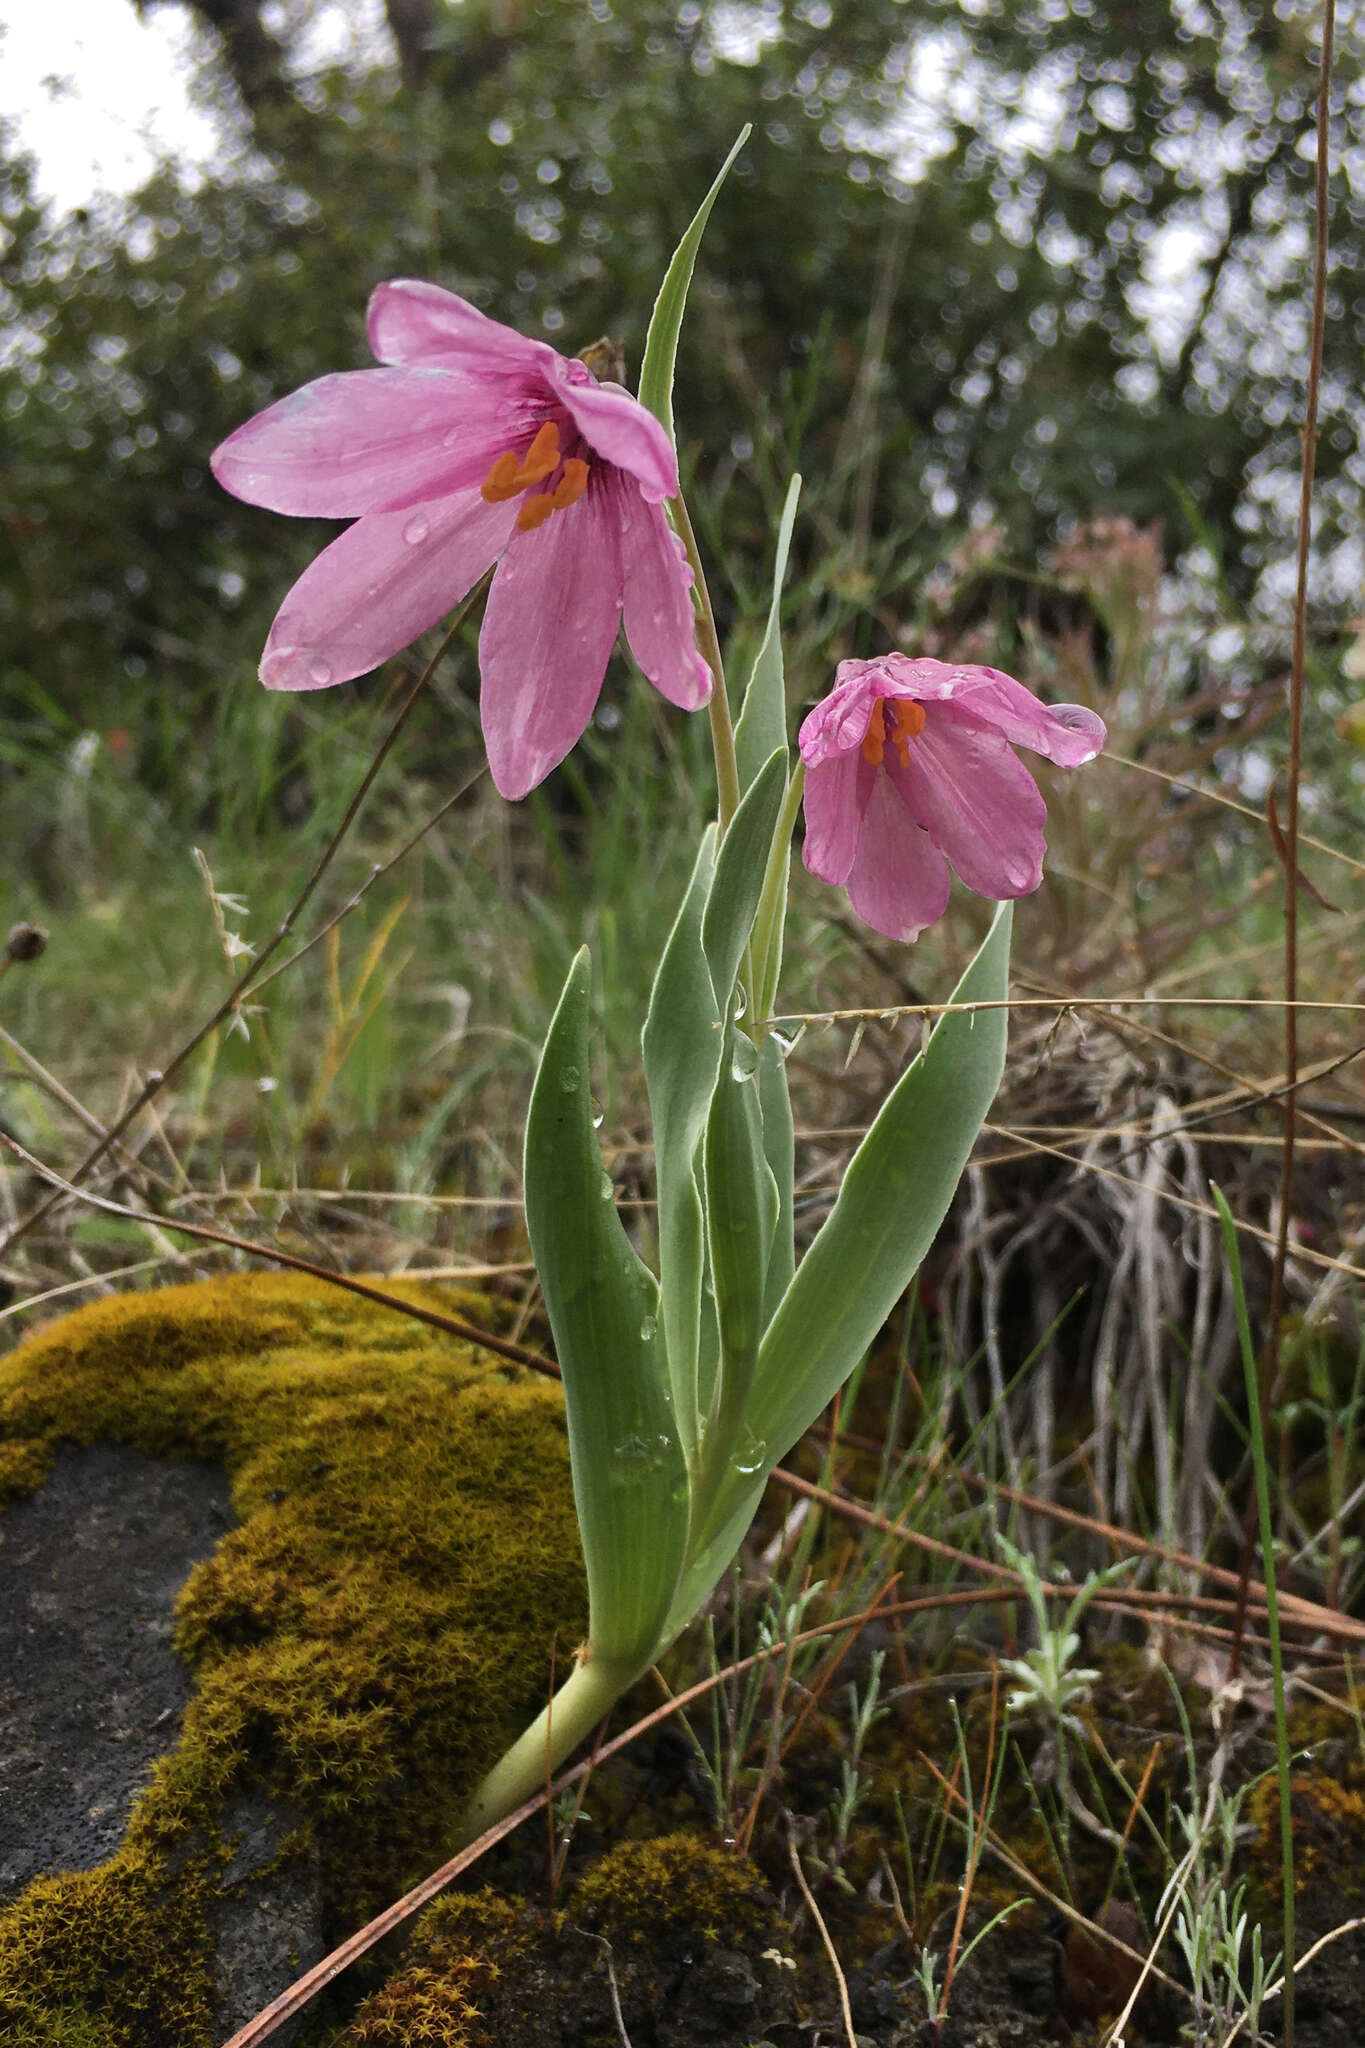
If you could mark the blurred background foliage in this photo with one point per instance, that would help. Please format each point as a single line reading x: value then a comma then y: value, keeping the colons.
x: 1031, y: 263
x: 1023, y: 291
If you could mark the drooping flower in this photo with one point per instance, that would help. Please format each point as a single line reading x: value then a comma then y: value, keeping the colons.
x: 910, y: 765
x: 474, y: 446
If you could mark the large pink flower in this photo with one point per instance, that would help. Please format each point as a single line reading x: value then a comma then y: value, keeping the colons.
x: 910, y: 765
x: 476, y: 447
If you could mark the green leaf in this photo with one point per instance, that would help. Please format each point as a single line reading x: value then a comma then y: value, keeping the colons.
x: 682, y: 1044
x: 738, y: 882
x: 895, y: 1194
x: 763, y: 714
x: 665, y: 325
x: 779, y: 1149
x: 629, y: 1476
x: 741, y: 1210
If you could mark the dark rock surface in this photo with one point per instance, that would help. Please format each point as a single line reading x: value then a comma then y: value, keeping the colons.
x: 90, y: 1690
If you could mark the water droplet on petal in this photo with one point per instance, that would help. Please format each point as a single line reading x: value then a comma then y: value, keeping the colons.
x: 320, y: 672
x: 648, y: 1329
x: 451, y: 437
x: 417, y: 529
x: 607, y: 1189
x: 743, y: 1058
x: 568, y: 1080
x: 596, y: 1108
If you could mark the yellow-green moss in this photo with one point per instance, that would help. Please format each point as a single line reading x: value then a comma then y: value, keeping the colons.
x: 107, y: 1956
x: 377, y: 1627
x: 484, y: 1970
x: 677, y: 1884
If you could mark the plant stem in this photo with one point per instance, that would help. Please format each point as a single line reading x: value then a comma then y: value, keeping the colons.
x: 1272, y: 1606
x: 1298, y: 659
x: 585, y: 1698
x: 708, y: 642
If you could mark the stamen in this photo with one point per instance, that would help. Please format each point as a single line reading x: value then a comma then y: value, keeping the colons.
x: 501, y: 480
x: 535, y: 511
x: 907, y: 720
x: 542, y: 456
x: 572, y: 484
x: 507, y: 475
x: 874, y: 739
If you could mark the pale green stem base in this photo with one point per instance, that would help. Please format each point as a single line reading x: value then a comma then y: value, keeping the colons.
x: 586, y: 1696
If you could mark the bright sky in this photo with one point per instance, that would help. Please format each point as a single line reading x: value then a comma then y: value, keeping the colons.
x: 96, y: 94
x: 99, y: 95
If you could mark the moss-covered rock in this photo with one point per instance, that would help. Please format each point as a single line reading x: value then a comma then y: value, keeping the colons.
x: 363, y: 1644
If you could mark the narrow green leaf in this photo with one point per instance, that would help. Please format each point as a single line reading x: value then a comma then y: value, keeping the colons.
x: 779, y: 1149
x: 682, y: 1044
x: 740, y: 867
x: 763, y: 713
x: 741, y: 1208
x: 665, y: 325
x: 628, y: 1471
x: 895, y: 1194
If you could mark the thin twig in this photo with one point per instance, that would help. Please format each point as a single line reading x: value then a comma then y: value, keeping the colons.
x: 830, y: 1950
x: 454, y: 1326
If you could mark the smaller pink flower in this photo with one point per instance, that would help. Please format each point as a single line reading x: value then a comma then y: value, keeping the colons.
x: 474, y: 447
x: 910, y: 765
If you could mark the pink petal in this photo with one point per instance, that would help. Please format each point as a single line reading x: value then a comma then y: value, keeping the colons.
x: 548, y: 629
x: 412, y: 322
x: 834, y: 799
x: 378, y: 586
x: 617, y: 426
x: 899, y: 881
x: 838, y: 724
x: 1065, y: 733
x: 660, y: 622
x: 368, y: 441
x: 978, y: 803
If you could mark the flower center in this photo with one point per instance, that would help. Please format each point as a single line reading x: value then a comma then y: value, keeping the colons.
x: 510, y: 474
x: 907, y: 719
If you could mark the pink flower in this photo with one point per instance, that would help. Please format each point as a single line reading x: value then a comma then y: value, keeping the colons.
x: 472, y: 447
x: 910, y: 765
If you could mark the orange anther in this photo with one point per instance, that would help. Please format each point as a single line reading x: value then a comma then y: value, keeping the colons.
x: 535, y: 511
x: 874, y: 739
x: 502, y: 480
x: 572, y: 484
x: 542, y: 456
x: 907, y: 719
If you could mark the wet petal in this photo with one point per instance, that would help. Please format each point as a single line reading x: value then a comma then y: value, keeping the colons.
x: 838, y: 724
x: 834, y: 799
x: 616, y: 426
x: 660, y: 623
x: 1065, y: 733
x: 377, y: 587
x: 978, y: 803
x: 899, y: 882
x: 548, y: 629
x: 366, y: 441
x: 412, y: 322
